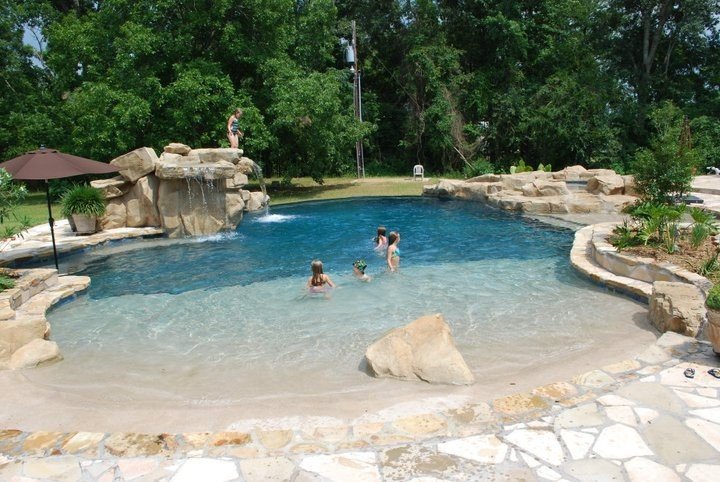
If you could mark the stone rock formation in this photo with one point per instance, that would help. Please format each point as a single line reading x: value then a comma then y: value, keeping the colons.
x: 542, y: 192
x: 185, y: 191
x: 678, y: 307
x: 422, y: 350
x: 34, y: 353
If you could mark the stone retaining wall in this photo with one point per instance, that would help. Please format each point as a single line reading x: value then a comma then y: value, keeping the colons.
x: 627, y: 273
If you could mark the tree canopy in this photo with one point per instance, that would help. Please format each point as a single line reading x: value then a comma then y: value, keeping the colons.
x: 445, y: 83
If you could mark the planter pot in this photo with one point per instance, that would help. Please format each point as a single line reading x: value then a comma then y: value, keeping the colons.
x: 71, y: 222
x: 84, y: 224
x: 713, y: 329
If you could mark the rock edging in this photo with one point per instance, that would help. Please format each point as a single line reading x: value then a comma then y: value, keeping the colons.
x: 676, y: 296
x: 24, y: 330
x: 542, y: 192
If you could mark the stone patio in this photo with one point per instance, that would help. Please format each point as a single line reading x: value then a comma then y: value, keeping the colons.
x: 637, y: 420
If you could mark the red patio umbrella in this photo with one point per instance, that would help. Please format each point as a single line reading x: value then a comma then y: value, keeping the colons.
x: 45, y: 164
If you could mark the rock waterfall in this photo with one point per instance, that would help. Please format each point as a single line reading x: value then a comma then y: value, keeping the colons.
x: 187, y: 192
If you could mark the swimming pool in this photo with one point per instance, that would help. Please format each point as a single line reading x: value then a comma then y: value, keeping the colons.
x: 226, y: 319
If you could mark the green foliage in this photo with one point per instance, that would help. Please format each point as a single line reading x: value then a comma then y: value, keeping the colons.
x: 624, y: 236
x: 710, y: 266
x: 83, y: 199
x: 6, y: 282
x: 520, y: 167
x: 664, y: 171
x: 704, y: 225
x: 706, y: 132
x: 478, y: 168
x: 652, y: 224
x: 443, y: 83
x: 311, y: 113
x: 713, y: 298
x: 11, y: 194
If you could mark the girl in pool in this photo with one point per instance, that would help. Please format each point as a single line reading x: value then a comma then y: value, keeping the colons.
x: 359, y: 267
x: 380, y: 240
x: 319, y: 282
x: 393, y: 252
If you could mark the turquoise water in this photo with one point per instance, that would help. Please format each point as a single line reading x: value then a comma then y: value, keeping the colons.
x: 227, y: 317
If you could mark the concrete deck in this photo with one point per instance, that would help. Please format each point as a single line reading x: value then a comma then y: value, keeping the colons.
x: 638, y: 420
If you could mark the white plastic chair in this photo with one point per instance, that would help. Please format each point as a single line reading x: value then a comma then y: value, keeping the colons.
x: 418, y: 170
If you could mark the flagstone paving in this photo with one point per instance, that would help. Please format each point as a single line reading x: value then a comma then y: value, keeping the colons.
x: 639, y: 420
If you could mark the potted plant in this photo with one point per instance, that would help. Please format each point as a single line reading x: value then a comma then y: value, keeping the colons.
x: 712, y: 303
x: 84, y: 204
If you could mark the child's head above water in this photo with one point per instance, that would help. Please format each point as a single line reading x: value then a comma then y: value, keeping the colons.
x: 317, y: 267
x: 360, y: 265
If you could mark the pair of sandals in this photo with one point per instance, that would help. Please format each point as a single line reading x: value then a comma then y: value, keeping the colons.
x: 690, y: 372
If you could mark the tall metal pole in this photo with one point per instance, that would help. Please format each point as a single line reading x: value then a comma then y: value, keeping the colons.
x: 357, y: 100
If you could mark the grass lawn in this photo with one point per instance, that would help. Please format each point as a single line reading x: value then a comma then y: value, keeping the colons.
x: 305, y: 189
x: 35, y: 208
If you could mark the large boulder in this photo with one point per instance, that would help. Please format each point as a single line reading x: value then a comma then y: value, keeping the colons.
x: 112, y: 188
x: 177, y: 148
x: 234, y: 206
x: 190, y: 208
x: 541, y: 187
x: 486, y: 178
x: 34, y: 353
x: 629, y: 185
x: 571, y: 173
x: 141, y: 203
x: 17, y: 332
x: 217, y: 154
x: 422, y: 350
x: 607, y: 184
x: 136, y: 164
x: 256, y: 202
x: 678, y: 307
x: 115, y: 214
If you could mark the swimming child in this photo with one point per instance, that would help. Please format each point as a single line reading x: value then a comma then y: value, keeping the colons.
x: 380, y: 240
x: 393, y: 252
x: 319, y: 282
x: 359, y: 267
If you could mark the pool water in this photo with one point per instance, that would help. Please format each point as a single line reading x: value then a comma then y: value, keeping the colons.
x: 227, y: 317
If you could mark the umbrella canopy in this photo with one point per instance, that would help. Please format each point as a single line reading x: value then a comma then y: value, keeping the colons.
x: 53, y: 164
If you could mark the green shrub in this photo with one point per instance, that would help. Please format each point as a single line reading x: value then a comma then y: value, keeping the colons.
x: 664, y: 171
x: 478, y: 168
x: 83, y: 199
x: 6, y: 282
x: 624, y: 236
x: 709, y: 267
x: 521, y: 167
x: 713, y: 298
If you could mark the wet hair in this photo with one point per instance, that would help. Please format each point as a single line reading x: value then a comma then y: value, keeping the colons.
x: 360, y: 265
x: 380, y: 232
x: 317, y: 273
x: 392, y: 237
x: 238, y: 111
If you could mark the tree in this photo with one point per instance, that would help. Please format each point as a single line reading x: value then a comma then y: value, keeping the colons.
x: 665, y: 169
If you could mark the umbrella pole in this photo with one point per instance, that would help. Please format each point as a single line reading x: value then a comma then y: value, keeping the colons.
x: 51, y: 221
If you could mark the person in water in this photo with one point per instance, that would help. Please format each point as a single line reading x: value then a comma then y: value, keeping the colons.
x: 233, y: 128
x: 359, y: 267
x: 393, y: 252
x: 319, y: 281
x: 380, y: 240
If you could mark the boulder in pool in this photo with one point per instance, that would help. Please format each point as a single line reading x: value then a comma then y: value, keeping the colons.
x: 422, y: 350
